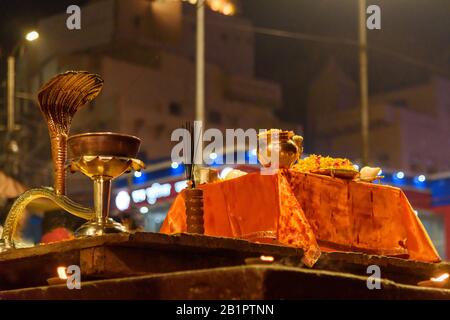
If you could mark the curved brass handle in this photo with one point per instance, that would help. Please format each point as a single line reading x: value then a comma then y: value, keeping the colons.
x: 27, y: 197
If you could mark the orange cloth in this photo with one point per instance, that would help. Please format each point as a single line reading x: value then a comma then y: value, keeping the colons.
x: 300, y: 210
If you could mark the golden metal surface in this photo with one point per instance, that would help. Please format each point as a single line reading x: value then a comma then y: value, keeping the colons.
x: 279, y: 149
x: 103, y: 156
x: 102, y: 170
x: 112, y: 167
x: 28, y: 196
x: 100, y: 224
x: 104, y: 144
x: 205, y: 175
x: 59, y: 100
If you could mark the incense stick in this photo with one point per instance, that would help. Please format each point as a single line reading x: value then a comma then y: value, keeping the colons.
x: 189, y: 155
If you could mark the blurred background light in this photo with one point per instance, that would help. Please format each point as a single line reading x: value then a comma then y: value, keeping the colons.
x: 31, y: 36
x: 400, y: 175
x: 143, y: 210
x: 122, y: 200
x: 213, y: 156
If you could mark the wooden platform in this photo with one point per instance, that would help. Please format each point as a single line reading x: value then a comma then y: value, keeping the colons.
x: 158, y: 266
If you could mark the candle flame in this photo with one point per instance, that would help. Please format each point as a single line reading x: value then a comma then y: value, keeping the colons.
x: 441, y: 278
x: 267, y: 258
x: 62, y: 273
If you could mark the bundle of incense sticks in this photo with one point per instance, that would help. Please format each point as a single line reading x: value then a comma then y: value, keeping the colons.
x: 193, y: 195
x: 189, y: 158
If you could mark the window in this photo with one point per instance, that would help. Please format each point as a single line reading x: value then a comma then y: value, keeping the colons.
x: 215, y: 117
x: 175, y: 108
x: 101, y: 126
x: 224, y: 37
x: 139, y: 124
x: 234, y: 121
x: 383, y: 159
x: 137, y: 22
x: 159, y: 130
x: 400, y: 103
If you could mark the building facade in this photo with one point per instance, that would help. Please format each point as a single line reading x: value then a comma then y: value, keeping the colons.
x: 408, y: 127
x: 145, y: 52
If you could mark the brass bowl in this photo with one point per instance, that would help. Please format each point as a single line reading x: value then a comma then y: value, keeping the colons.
x: 103, y: 144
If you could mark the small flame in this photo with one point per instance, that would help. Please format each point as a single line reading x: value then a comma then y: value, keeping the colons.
x: 62, y: 273
x: 267, y: 258
x: 441, y: 278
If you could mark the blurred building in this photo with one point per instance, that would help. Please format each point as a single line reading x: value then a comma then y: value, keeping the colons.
x: 145, y: 52
x: 408, y: 127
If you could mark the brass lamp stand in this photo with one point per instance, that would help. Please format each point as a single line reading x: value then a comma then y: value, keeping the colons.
x: 100, y: 156
x: 103, y: 156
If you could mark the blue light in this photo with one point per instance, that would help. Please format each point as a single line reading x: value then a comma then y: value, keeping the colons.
x: 420, y: 181
x: 213, y: 156
x: 252, y: 157
x: 399, y: 178
x: 216, y: 159
x: 176, y: 168
x: 140, y: 177
x: 400, y: 175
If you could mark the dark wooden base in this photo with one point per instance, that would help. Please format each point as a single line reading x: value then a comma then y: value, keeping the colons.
x: 158, y: 266
x: 242, y: 282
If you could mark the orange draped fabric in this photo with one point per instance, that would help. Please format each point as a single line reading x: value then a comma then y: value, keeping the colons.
x: 313, y: 212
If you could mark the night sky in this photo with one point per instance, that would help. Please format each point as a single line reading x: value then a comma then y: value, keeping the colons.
x: 417, y: 29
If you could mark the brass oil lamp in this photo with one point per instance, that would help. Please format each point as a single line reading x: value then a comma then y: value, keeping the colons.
x: 101, y: 156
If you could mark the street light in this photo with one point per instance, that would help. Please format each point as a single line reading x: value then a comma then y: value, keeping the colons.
x: 32, y: 35
x: 10, y: 99
x: 10, y: 80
